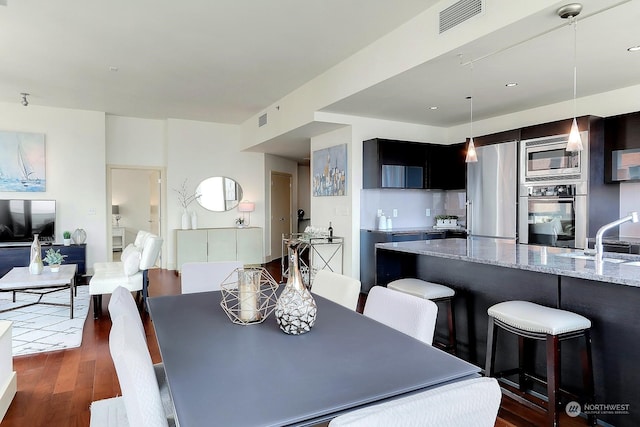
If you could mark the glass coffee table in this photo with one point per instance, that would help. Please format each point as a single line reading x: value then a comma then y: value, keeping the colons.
x: 20, y: 280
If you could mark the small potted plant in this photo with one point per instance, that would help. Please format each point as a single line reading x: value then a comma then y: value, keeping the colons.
x: 446, y: 221
x: 66, y: 236
x: 54, y: 259
x: 240, y: 222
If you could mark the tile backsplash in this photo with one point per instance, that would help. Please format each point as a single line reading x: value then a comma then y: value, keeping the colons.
x: 411, y: 206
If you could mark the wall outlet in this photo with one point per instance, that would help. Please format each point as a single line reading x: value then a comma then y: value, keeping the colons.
x: 427, y: 212
x: 395, y: 213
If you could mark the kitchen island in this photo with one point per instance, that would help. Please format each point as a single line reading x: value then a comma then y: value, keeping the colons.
x: 487, y: 271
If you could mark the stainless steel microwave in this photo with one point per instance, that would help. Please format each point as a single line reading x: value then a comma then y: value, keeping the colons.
x: 547, y: 159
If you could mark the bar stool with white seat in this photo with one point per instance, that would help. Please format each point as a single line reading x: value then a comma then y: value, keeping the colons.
x: 434, y: 292
x: 533, y: 321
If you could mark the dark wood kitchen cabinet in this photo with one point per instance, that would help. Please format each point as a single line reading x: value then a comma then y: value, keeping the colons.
x: 391, y: 163
x: 447, y: 168
x: 622, y: 147
x: 368, y: 240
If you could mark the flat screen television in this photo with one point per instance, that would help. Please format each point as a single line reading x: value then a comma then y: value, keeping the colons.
x: 21, y: 219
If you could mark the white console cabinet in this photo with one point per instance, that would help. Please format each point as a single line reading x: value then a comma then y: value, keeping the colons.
x: 219, y: 244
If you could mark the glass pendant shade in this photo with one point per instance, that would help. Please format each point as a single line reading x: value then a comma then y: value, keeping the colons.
x: 472, y: 157
x: 575, y: 142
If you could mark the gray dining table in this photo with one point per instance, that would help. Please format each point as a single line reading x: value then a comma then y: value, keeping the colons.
x: 224, y: 374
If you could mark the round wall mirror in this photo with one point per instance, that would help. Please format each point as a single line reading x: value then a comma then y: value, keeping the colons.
x: 219, y: 194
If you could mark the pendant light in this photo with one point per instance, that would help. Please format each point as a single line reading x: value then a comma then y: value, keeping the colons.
x: 571, y: 11
x: 472, y: 156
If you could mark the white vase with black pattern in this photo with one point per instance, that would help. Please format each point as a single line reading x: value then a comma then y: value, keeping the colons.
x: 295, y: 309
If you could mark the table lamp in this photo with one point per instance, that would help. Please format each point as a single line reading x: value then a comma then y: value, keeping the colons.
x: 115, y: 210
x: 246, y: 206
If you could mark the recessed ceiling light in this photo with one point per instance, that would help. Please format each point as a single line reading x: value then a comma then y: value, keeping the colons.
x: 433, y: 108
x: 634, y: 49
x: 112, y: 68
x: 511, y: 84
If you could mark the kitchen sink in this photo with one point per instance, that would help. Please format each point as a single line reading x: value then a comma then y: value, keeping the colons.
x: 592, y: 258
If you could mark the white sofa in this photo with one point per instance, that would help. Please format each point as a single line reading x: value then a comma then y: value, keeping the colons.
x: 130, y: 272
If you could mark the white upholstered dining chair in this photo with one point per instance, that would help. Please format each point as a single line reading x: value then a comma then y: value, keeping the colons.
x: 473, y: 402
x: 407, y: 313
x: 341, y: 289
x: 140, y: 392
x: 122, y: 304
x: 205, y: 276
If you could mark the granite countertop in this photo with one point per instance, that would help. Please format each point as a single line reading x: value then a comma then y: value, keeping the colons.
x: 506, y: 253
x: 410, y: 230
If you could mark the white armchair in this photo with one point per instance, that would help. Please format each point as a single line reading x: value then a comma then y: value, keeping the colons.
x: 130, y: 273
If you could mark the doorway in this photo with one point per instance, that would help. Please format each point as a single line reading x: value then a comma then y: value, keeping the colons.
x: 137, y: 193
x: 281, y: 188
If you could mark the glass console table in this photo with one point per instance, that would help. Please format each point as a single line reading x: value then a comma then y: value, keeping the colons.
x: 316, y: 253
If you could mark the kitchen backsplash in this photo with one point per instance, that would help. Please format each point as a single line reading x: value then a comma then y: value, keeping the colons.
x: 411, y: 206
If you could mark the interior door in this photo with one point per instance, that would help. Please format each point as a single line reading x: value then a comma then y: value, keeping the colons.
x: 280, y: 210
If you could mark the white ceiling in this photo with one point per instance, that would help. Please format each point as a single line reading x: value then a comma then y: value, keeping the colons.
x: 212, y: 60
x: 537, y: 54
x: 227, y: 60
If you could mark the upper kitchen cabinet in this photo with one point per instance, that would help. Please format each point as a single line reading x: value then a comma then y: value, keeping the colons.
x: 447, y: 169
x: 622, y: 147
x: 394, y: 164
x: 402, y: 164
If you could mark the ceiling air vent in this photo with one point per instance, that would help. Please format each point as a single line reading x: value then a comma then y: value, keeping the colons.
x: 262, y: 120
x: 459, y: 12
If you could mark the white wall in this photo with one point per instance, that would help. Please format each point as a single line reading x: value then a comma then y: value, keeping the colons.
x: 304, y: 190
x: 199, y: 150
x: 75, y: 168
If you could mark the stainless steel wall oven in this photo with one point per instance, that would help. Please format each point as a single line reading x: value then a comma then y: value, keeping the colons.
x: 554, y: 216
x: 553, y: 192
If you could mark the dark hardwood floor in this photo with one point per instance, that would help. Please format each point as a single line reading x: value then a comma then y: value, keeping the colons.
x: 56, y: 388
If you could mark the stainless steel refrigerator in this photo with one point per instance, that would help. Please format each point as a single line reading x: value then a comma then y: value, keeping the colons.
x: 492, y: 191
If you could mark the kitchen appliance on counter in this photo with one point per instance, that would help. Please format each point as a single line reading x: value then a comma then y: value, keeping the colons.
x: 491, y: 191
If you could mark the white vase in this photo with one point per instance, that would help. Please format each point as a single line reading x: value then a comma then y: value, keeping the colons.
x: 186, y: 220
x: 67, y: 242
x: 35, y: 261
x: 194, y: 220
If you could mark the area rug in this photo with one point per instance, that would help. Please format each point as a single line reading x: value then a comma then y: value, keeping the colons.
x: 41, y: 327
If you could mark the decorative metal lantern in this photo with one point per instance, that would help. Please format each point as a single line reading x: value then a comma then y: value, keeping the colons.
x: 249, y: 295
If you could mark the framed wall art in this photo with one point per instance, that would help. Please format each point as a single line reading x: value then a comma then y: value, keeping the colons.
x: 22, y: 161
x: 330, y: 171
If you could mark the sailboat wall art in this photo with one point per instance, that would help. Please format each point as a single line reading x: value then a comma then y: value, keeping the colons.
x: 22, y: 161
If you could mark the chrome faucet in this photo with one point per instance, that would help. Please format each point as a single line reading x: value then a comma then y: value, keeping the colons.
x: 633, y: 217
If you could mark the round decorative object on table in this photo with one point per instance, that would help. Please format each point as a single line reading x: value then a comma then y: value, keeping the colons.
x: 248, y: 295
x: 296, y: 309
x: 35, y: 259
x: 79, y: 236
x: 55, y: 268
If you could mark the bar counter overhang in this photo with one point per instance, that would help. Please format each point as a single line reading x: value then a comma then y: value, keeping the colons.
x: 486, y: 271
